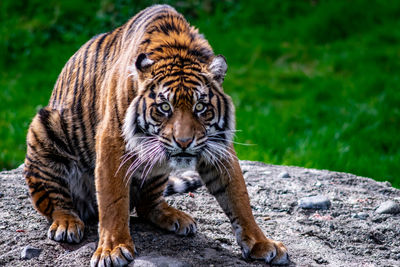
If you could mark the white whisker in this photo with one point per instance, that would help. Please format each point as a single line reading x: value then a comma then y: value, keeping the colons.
x: 234, y: 142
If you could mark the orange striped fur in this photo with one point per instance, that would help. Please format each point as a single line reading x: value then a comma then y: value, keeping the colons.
x: 128, y: 107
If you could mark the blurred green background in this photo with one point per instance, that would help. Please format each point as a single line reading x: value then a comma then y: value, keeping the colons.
x: 315, y: 83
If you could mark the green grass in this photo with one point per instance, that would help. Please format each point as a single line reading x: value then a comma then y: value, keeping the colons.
x: 315, y: 83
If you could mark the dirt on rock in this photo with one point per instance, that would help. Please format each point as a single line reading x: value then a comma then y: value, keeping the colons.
x: 348, y: 233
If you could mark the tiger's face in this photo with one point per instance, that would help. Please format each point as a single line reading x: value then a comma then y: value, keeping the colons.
x: 181, y: 114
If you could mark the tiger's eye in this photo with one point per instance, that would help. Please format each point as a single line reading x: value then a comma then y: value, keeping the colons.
x: 165, y: 107
x: 199, y: 107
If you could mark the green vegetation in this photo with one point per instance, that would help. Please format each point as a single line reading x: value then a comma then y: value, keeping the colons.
x: 315, y: 83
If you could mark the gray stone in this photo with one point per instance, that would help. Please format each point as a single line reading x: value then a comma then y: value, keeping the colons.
x: 30, y: 252
x: 1, y: 195
x: 23, y: 196
x: 159, y: 261
x: 315, y: 202
x: 361, y: 215
x: 284, y: 175
x: 388, y: 207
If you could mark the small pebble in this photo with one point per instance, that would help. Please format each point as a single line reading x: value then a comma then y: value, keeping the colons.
x: 388, y: 207
x: 318, y: 184
x: 30, y: 252
x: 284, y: 175
x: 315, y: 202
x: 22, y: 196
x: 1, y: 194
x: 320, y: 260
x: 361, y: 215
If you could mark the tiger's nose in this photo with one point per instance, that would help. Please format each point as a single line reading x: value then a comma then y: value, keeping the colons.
x: 184, y: 142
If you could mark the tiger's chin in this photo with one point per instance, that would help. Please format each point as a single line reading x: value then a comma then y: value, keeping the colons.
x: 182, y: 162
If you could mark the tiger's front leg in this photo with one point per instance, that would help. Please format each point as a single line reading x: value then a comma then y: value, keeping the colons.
x: 228, y: 187
x: 115, y: 247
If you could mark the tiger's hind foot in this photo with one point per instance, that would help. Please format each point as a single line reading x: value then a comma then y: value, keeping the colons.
x: 172, y: 220
x: 66, y: 227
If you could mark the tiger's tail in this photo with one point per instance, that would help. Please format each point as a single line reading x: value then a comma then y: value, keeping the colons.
x: 183, y: 181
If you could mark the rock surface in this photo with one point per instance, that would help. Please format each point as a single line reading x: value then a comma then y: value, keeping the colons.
x: 388, y: 207
x: 349, y: 233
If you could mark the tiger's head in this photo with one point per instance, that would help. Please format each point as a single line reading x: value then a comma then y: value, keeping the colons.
x: 181, y: 114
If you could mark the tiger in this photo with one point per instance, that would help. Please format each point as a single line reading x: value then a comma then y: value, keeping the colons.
x: 130, y: 106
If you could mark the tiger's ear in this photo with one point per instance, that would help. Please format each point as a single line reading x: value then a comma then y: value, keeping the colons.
x: 143, y: 62
x: 218, y: 68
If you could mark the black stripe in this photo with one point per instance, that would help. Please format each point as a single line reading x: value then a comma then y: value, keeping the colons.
x: 65, y: 78
x: 117, y: 114
x: 219, y: 110
x: 115, y: 46
x: 56, y: 89
x: 49, y: 209
x: 42, y: 198
x: 155, y: 185
x: 169, y: 26
x: 233, y: 219
x: 144, y: 107
x: 203, y: 54
x: 108, y: 47
x: 226, y: 107
x: 171, y: 82
x: 36, y: 187
x: 93, y: 118
x: 65, y: 130
x: 69, y: 76
x: 44, y: 116
x: 191, y: 82
x: 41, y: 144
x: 145, y: 41
x: 61, y: 87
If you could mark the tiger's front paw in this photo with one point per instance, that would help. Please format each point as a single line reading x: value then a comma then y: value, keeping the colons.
x: 113, y: 253
x: 173, y: 220
x: 66, y: 227
x: 269, y: 250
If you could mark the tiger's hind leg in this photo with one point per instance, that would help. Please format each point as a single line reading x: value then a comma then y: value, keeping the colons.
x: 151, y: 205
x: 48, y: 166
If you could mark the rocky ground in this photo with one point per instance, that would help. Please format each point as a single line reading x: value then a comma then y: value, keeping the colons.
x: 352, y: 221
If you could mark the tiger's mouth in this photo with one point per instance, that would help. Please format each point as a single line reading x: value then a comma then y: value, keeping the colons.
x: 182, y: 160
